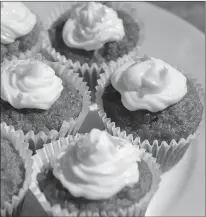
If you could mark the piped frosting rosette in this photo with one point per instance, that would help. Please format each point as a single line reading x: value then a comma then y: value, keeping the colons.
x: 154, y: 88
x: 43, y: 79
x: 17, y: 140
x: 17, y: 21
x: 86, y: 164
x: 80, y: 32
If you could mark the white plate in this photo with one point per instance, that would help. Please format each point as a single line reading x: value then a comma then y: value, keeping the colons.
x: 182, y: 191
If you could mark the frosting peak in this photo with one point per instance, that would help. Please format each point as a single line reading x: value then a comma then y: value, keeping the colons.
x: 29, y: 84
x: 96, y: 14
x: 98, y: 166
x: 152, y: 85
x: 16, y: 21
x: 91, y: 25
x: 91, y: 151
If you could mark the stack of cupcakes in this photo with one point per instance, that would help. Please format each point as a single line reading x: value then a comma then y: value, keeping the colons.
x: 151, y: 111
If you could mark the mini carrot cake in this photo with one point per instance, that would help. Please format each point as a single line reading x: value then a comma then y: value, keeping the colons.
x: 95, y: 174
x: 151, y: 99
x: 20, y: 29
x: 35, y: 97
x: 92, y: 32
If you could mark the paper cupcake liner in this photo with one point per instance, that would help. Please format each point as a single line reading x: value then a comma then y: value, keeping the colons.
x: 44, y: 159
x: 17, y: 139
x: 85, y: 69
x: 36, y: 141
x: 167, y: 154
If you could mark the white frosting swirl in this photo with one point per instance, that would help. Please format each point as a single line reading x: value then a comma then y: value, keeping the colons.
x: 16, y: 21
x: 29, y: 84
x: 152, y: 85
x: 98, y: 166
x: 91, y: 25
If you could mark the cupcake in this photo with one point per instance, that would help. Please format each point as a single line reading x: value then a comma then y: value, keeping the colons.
x: 20, y: 29
x: 84, y: 177
x: 91, y: 34
x: 16, y: 165
x: 151, y: 100
x: 45, y: 100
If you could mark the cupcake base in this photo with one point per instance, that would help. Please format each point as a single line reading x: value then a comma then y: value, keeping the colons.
x: 13, y: 207
x: 57, y: 194
x: 67, y: 106
x: 12, y: 171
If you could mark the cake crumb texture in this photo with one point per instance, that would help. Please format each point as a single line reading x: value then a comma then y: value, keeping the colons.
x: 12, y: 171
x: 68, y: 105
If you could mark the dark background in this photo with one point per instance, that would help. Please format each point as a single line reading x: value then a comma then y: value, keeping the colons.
x: 193, y: 12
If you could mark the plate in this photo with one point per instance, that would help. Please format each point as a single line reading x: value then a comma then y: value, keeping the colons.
x: 182, y: 190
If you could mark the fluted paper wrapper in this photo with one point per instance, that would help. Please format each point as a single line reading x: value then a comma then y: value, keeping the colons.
x: 46, y: 156
x: 36, y: 141
x: 85, y: 70
x: 167, y: 154
x: 17, y: 140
